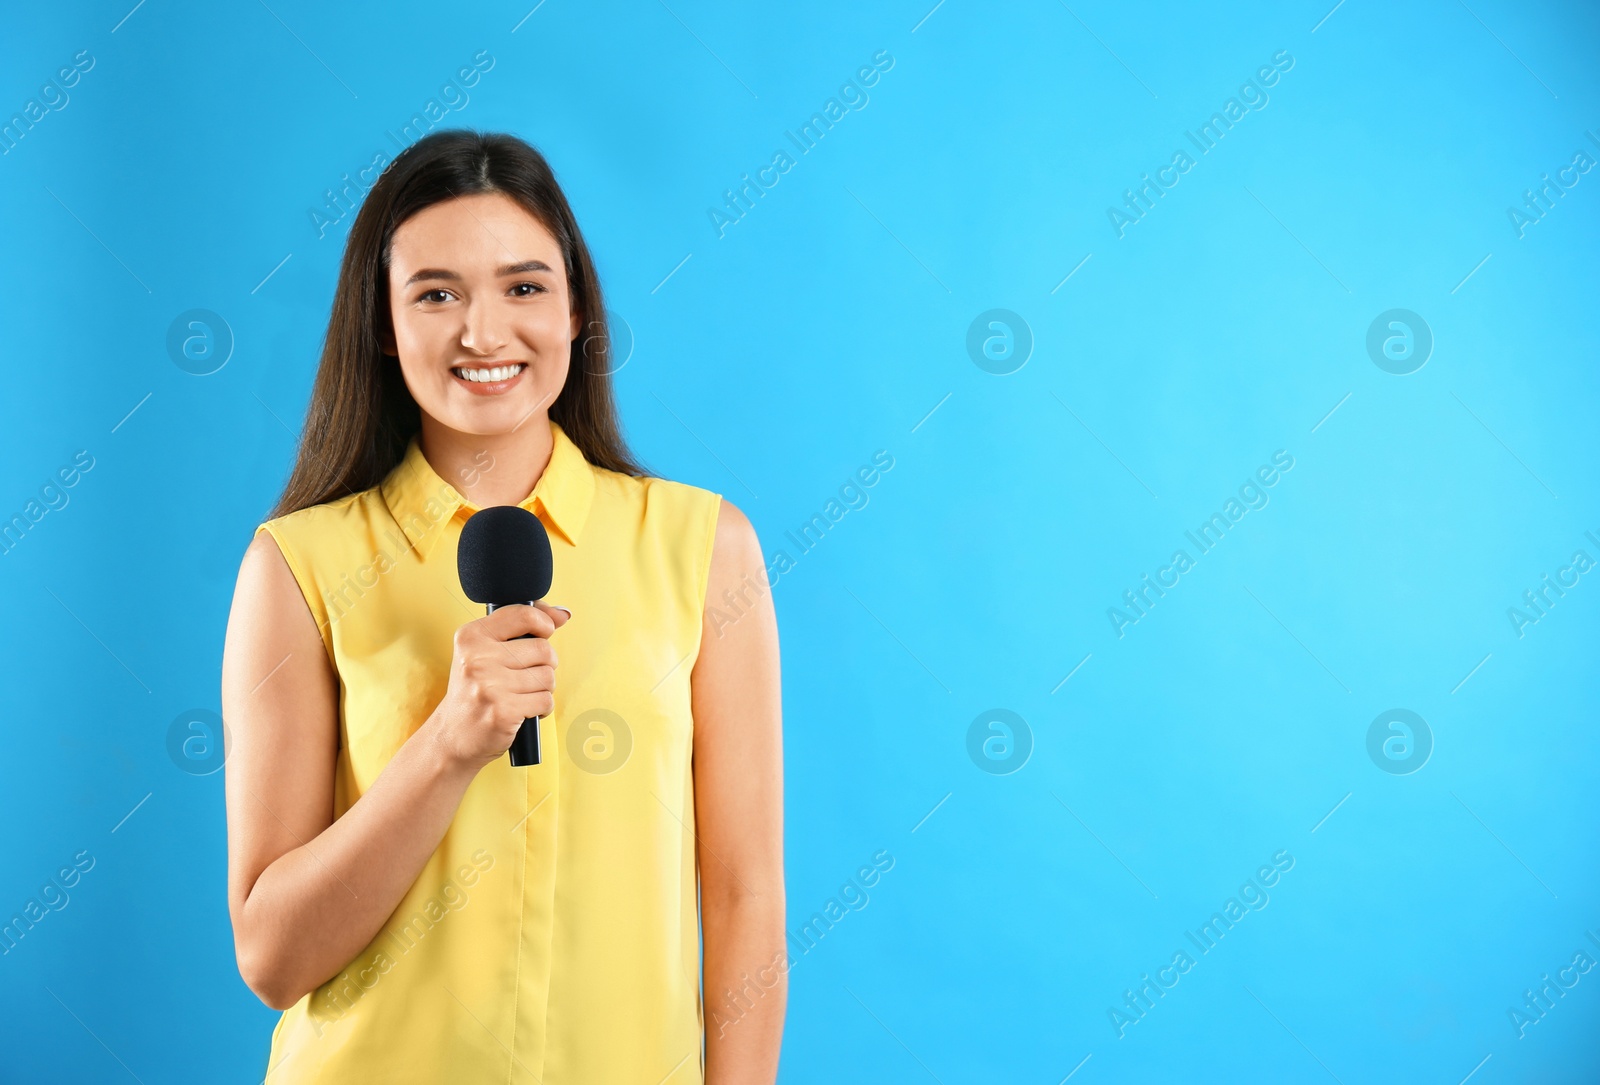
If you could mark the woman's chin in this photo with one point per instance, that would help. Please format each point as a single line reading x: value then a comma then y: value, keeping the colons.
x: 487, y: 416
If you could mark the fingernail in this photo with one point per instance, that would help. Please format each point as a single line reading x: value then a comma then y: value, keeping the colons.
x: 563, y: 609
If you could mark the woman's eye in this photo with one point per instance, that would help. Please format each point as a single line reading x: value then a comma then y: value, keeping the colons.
x: 435, y: 296
x: 523, y: 290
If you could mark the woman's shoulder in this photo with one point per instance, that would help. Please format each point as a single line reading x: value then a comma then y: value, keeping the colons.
x: 325, y: 525
x: 331, y: 511
x: 679, y: 517
x: 654, y: 490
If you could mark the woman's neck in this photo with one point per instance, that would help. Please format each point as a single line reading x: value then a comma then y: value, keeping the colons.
x: 499, y: 469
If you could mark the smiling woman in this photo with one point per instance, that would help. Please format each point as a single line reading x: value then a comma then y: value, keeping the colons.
x: 455, y: 332
x: 368, y: 776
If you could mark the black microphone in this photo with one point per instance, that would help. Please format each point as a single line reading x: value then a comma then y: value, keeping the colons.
x: 503, y: 560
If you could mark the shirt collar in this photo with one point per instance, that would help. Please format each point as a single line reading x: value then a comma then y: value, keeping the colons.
x: 422, y: 502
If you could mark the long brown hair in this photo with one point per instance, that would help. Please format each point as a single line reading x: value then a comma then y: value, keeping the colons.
x: 361, y: 415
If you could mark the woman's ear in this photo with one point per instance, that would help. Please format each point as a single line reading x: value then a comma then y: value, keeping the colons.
x: 577, y: 325
x: 386, y: 341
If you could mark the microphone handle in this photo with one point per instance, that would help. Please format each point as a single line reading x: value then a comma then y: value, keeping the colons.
x: 526, y: 749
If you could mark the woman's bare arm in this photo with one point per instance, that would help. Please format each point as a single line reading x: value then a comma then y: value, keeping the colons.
x: 738, y: 783
x: 306, y: 892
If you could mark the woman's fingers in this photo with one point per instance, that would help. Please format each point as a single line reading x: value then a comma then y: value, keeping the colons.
x: 541, y: 679
x: 510, y: 622
x: 522, y: 654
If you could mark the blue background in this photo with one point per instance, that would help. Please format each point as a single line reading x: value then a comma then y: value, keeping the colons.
x: 772, y: 361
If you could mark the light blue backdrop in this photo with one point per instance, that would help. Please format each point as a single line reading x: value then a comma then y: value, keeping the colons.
x: 1169, y: 356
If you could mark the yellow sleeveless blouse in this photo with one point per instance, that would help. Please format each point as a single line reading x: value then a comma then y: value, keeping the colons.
x: 553, y: 936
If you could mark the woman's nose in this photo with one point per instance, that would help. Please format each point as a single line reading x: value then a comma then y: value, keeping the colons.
x: 484, y: 331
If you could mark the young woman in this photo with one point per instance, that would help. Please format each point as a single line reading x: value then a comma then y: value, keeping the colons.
x: 421, y: 909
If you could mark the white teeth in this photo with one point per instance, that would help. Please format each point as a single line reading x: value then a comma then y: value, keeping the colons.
x: 488, y: 376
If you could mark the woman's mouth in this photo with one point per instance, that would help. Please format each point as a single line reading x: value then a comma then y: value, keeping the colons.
x: 488, y: 380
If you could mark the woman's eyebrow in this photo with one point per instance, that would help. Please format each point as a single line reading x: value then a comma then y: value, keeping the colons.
x: 524, y: 266
x: 502, y: 272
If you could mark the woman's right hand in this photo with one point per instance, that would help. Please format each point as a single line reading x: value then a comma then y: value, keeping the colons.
x: 496, y: 682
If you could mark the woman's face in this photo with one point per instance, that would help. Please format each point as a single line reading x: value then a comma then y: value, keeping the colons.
x: 483, y: 322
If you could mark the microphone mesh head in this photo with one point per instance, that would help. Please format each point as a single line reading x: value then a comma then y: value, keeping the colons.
x: 504, y: 556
